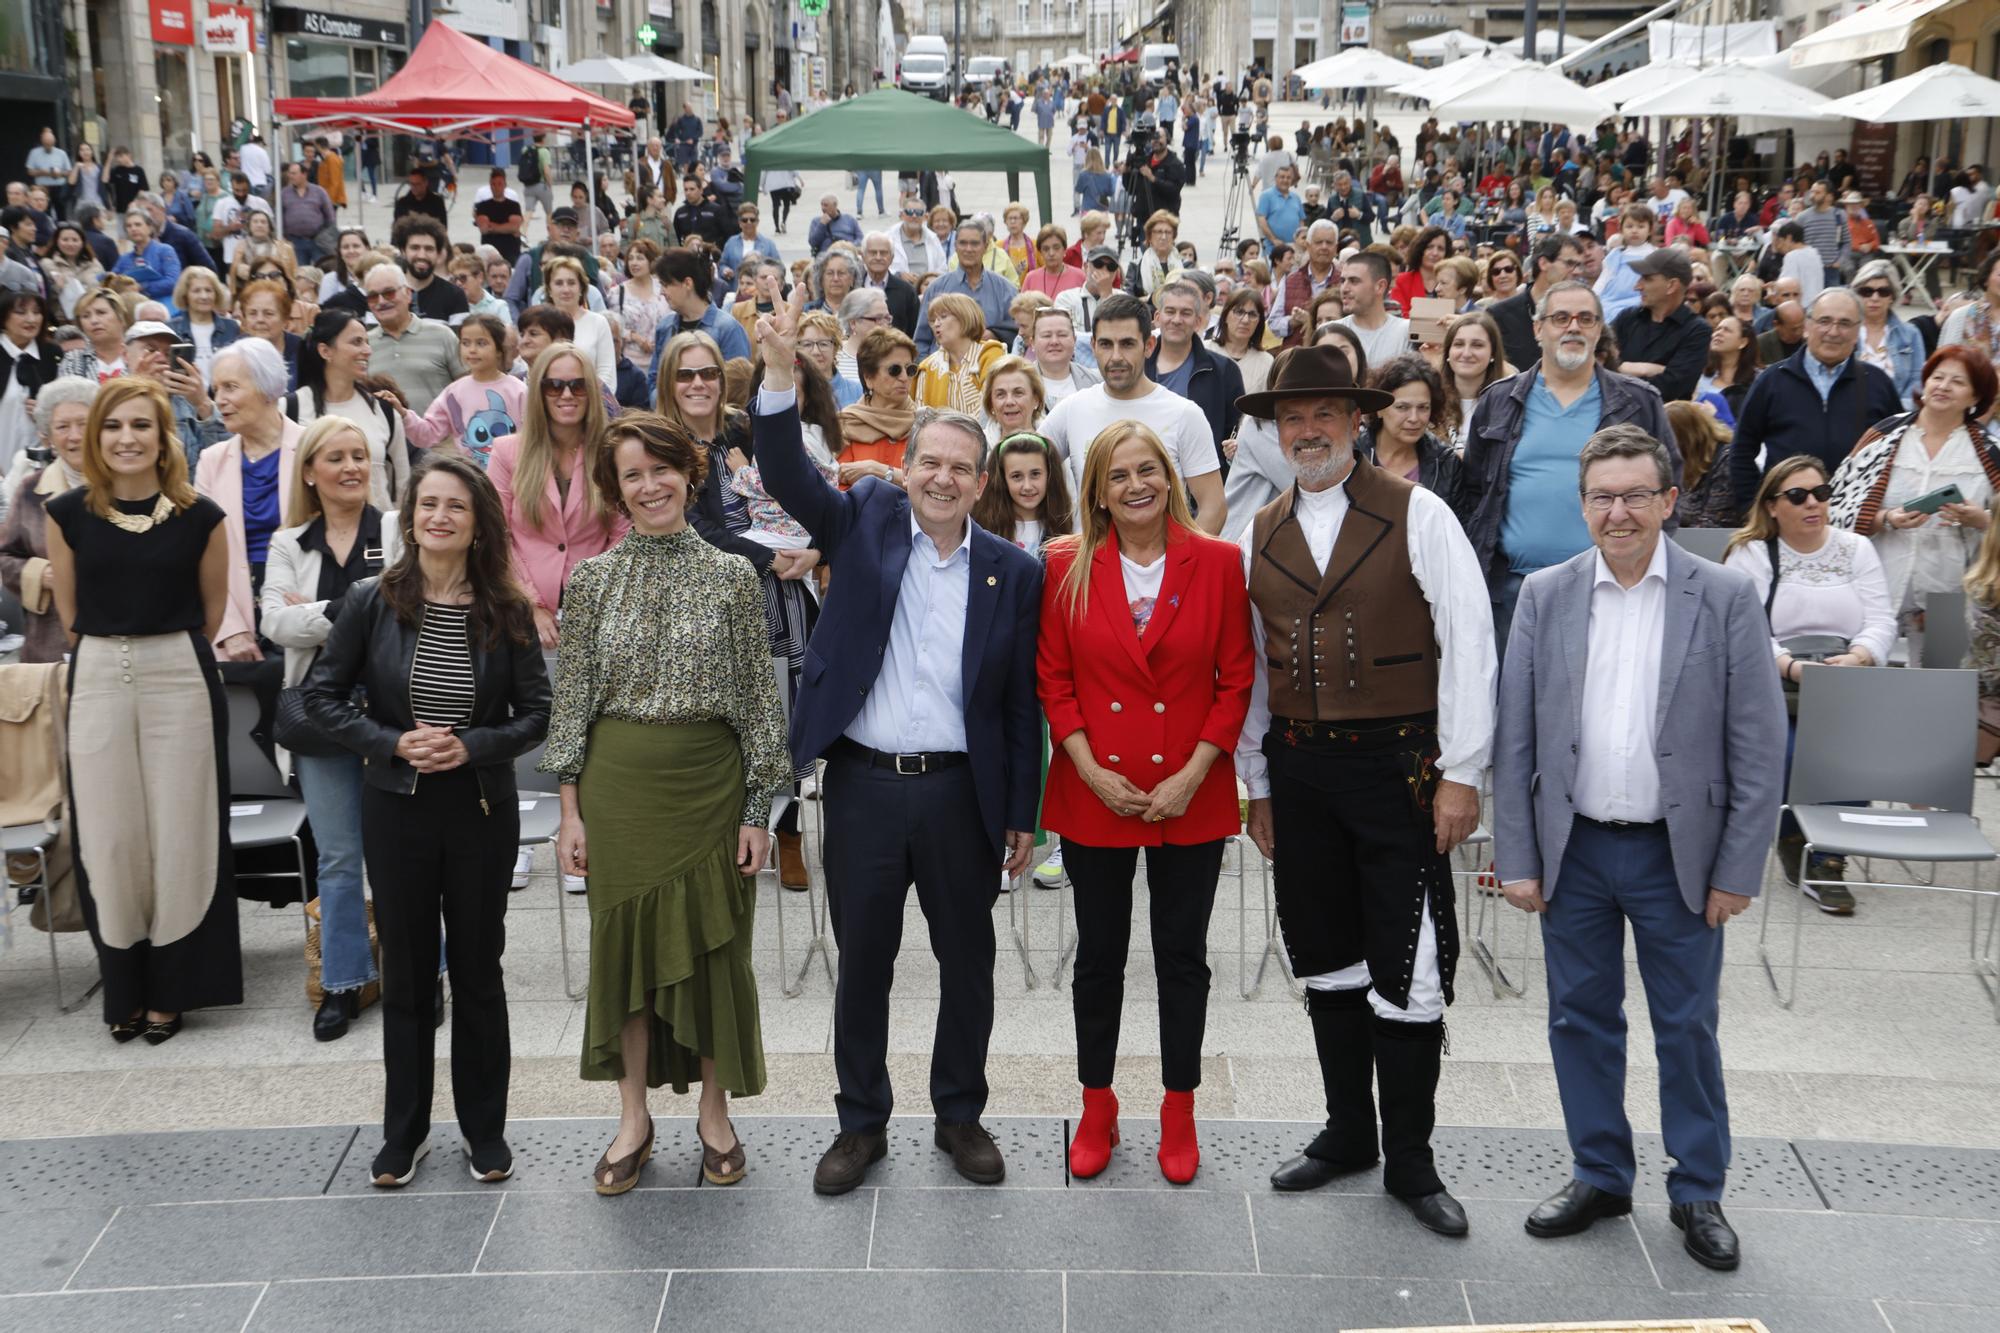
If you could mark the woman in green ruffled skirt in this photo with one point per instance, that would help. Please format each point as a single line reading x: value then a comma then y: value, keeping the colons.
x: 668, y: 737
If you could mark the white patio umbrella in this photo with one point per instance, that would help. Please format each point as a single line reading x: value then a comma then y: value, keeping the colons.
x: 668, y: 71
x: 1448, y: 45
x: 1645, y: 80
x: 1734, y: 88
x: 1548, y: 42
x: 604, y: 70
x: 1940, y: 94
x: 1527, y: 92
x: 1359, y: 67
x: 1077, y: 60
x: 1458, y: 76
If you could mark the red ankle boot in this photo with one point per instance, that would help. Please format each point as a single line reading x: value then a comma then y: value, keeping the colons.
x: 1180, y: 1155
x: 1096, y: 1133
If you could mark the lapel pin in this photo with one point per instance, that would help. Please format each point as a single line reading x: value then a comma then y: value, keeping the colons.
x: 992, y: 581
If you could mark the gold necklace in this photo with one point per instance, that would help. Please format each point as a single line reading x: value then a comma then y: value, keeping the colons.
x: 163, y: 509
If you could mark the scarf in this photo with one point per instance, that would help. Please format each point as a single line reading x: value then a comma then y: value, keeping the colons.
x: 1979, y: 328
x: 1861, y: 482
x: 867, y: 421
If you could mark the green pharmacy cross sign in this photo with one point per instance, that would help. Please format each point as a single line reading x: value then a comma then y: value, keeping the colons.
x: 648, y: 34
x: 812, y: 8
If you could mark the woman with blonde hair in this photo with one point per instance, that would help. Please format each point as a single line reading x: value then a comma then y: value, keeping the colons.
x: 568, y: 287
x: 103, y: 315
x: 555, y: 518
x: 1704, y: 445
x: 139, y: 566
x: 335, y: 539
x: 1160, y: 262
x: 1022, y: 252
x: 876, y: 430
x: 1982, y: 607
x: 954, y: 376
x: 1458, y: 282
x: 1473, y: 358
x: 1013, y: 399
x: 1172, y: 624
x: 199, y: 297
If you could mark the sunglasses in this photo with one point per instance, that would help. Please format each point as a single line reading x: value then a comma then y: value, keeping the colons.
x: 1873, y: 291
x: 378, y: 298
x: 689, y: 374
x: 898, y: 370
x: 575, y: 388
x: 1798, y: 495
x: 1500, y: 270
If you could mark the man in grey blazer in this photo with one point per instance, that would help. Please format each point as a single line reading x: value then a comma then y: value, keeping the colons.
x: 1636, y: 778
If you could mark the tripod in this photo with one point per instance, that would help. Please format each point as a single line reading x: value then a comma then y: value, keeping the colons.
x: 1232, y: 205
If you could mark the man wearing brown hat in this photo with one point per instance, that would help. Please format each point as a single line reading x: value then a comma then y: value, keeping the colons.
x: 1661, y: 340
x: 1363, y: 753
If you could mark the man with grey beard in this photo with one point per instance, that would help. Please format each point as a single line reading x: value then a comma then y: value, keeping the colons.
x: 1362, y: 753
x: 1523, y: 440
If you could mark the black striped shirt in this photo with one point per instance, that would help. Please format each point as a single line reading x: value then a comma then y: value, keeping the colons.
x: 441, y: 685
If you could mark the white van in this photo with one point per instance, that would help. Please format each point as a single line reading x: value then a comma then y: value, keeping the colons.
x: 1153, y: 59
x: 926, y: 68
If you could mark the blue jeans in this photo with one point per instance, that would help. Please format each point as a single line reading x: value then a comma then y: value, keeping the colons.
x: 861, y: 180
x: 332, y: 788
x: 333, y: 803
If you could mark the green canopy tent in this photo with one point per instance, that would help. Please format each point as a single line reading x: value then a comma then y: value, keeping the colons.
x: 891, y: 130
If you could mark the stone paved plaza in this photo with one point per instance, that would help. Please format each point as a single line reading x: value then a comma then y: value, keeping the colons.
x: 217, y: 1182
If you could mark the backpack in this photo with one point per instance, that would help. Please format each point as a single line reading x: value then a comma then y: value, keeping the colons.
x: 531, y: 166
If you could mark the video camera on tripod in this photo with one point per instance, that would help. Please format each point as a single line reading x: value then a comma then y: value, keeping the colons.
x: 1239, y: 176
x: 1138, y: 148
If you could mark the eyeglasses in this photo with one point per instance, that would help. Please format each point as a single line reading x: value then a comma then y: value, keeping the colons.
x: 575, y: 388
x: 689, y: 374
x: 378, y: 298
x: 1584, y: 320
x: 1826, y: 324
x: 898, y: 370
x: 1600, y: 502
x: 1873, y: 291
x: 1798, y: 495
x: 818, y: 344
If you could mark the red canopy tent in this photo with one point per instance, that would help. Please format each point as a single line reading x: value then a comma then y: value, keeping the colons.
x: 456, y: 85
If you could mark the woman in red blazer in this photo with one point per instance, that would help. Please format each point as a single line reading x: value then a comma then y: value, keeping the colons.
x: 1144, y: 668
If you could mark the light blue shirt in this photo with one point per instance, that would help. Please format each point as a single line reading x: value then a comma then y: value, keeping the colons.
x: 917, y: 703
x: 732, y: 251
x: 1285, y: 212
x: 995, y: 294
x: 1544, y: 524
x: 1822, y: 375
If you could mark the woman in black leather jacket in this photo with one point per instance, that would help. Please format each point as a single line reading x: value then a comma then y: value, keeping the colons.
x: 1401, y: 438
x: 443, y: 648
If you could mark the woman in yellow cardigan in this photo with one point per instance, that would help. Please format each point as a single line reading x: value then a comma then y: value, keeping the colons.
x: 954, y: 376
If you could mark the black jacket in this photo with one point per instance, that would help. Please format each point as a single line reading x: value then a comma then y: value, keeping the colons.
x: 1439, y: 468
x: 1516, y: 317
x: 1679, y: 343
x: 1164, y: 190
x: 1214, y: 385
x: 1783, y: 415
x: 371, y: 648
x: 707, y: 512
x: 903, y: 303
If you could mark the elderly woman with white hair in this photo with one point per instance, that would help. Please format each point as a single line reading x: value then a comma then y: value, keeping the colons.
x: 835, y: 273
x: 41, y: 471
x: 1886, y: 342
x: 865, y: 310
x: 247, y: 475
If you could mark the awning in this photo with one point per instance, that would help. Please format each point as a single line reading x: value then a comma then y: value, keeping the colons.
x: 1882, y: 29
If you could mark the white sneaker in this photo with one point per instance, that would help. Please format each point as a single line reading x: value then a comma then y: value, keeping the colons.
x: 524, y: 861
x: 1049, y: 874
x: 575, y: 884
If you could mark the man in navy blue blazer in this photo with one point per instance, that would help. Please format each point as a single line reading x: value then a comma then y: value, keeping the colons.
x: 919, y: 692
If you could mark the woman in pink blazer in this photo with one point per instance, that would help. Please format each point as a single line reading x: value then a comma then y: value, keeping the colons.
x: 555, y: 517
x: 248, y: 475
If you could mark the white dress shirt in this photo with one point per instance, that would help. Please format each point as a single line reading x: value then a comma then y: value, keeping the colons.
x: 1461, y: 611
x: 917, y: 703
x: 1617, y: 777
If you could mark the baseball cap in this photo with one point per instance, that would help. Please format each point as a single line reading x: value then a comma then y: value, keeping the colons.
x: 564, y: 214
x: 1667, y: 261
x: 1099, y: 253
x: 148, y: 328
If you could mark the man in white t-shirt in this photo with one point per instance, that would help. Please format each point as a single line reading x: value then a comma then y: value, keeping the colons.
x: 231, y: 217
x: 1122, y: 340
x: 256, y: 160
x: 1051, y: 335
x: 1364, y: 282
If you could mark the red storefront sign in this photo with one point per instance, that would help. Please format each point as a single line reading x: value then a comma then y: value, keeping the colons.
x: 173, y: 22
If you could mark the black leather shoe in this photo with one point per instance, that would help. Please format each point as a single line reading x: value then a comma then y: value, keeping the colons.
x: 973, y: 1151
x: 1440, y: 1212
x: 1574, y: 1209
x: 846, y: 1163
x: 1306, y: 1172
x: 159, y: 1034
x: 1711, y: 1241
x: 335, y: 1012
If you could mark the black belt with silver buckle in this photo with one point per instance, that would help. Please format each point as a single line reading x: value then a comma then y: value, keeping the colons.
x: 904, y: 765
x: 1625, y: 825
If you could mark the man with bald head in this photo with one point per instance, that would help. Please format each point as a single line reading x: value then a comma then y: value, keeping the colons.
x: 1785, y: 335
x: 1815, y: 402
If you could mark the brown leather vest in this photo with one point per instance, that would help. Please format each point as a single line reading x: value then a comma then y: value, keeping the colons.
x: 1356, y: 642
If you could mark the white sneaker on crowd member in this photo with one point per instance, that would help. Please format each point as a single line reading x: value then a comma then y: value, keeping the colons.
x: 576, y: 884
x: 1049, y: 874
x: 524, y: 861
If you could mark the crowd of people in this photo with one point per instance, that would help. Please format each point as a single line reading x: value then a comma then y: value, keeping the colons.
x: 1035, y: 541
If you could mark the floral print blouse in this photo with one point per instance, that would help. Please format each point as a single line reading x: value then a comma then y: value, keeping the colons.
x: 668, y: 630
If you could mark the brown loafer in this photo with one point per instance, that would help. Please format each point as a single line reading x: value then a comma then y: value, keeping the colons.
x: 846, y: 1163
x: 792, y: 861
x: 625, y: 1171
x: 973, y: 1151
x: 724, y: 1168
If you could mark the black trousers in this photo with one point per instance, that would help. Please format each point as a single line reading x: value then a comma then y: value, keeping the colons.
x: 883, y: 833
x: 436, y: 855
x: 1180, y: 893
x: 781, y: 205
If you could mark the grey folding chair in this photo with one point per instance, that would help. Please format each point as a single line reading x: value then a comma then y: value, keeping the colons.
x: 1248, y: 983
x: 263, y: 809
x: 1947, y: 636
x: 1880, y: 734
x: 35, y: 840
x: 793, y: 984
x: 1479, y: 902
x: 541, y: 817
x: 1708, y: 543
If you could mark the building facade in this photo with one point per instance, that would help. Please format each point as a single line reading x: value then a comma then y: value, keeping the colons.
x: 1028, y: 34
